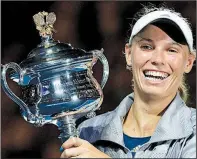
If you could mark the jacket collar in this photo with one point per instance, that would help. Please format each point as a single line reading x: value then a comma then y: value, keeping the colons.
x: 174, y: 124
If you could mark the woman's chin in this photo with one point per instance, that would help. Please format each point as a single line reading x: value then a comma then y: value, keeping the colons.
x: 154, y: 92
x: 154, y: 89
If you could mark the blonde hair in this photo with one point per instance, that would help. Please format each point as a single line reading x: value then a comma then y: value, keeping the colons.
x: 183, y: 88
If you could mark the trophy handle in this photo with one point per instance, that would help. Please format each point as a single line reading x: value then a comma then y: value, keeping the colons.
x: 99, y: 55
x: 7, y: 90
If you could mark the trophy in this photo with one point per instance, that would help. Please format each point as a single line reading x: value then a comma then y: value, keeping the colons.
x: 56, y: 81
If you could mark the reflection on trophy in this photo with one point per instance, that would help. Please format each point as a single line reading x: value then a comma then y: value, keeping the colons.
x: 56, y: 81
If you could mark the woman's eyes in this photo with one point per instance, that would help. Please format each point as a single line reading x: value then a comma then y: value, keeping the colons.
x: 173, y: 50
x: 146, y: 47
x: 150, y: 47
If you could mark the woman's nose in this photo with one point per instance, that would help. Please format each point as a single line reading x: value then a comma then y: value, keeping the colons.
x: 158, y: 58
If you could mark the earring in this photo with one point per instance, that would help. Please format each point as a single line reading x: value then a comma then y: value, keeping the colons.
x: 129, y: 67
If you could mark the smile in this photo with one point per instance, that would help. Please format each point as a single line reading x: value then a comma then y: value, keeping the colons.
x: 155, y: 75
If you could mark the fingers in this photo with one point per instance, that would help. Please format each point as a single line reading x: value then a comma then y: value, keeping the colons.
x: 72, y: 142
x: 73, y: 152
x: 79, y: 148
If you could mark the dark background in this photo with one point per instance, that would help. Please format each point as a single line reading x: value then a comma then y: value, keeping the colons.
x: 87, y: 25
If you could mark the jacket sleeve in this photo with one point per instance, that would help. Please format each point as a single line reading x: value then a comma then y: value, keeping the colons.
x: 189, y: 150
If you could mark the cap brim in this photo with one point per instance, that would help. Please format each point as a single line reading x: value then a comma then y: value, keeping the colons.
x: 171, y: 29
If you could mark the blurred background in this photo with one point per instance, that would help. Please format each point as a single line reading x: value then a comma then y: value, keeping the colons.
x: 86, y: 25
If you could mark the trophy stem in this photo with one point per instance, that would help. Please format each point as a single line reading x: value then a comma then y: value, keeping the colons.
x: 67, y: 127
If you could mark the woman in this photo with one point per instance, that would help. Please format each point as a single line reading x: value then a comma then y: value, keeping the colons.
x: 154, y: 121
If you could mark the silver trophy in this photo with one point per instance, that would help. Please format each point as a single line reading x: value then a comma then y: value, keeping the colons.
x: 56, y: 81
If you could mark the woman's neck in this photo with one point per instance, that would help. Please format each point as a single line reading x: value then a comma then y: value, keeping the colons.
x: 144, y: 115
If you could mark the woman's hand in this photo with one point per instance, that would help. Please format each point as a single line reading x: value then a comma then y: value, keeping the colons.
x: 78, y: 148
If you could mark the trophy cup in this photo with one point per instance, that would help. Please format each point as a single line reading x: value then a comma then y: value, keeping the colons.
x: 56, y: 81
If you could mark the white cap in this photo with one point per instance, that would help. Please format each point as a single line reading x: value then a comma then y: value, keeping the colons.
x: 155, y: 15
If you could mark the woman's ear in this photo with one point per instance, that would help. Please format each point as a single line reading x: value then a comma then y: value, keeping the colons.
x: 190, y: 62
x: 128, y: 54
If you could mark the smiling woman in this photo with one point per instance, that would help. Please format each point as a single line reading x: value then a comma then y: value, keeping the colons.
x: 180, y: 36
x: 158, y: 63
x: 153, y: 121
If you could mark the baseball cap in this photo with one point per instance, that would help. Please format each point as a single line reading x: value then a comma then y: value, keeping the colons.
x: 163, y: 18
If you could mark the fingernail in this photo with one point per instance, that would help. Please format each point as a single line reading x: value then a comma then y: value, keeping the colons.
x: 61, y: 149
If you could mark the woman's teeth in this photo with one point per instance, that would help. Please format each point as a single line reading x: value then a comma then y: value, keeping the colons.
x: 155, y: 75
